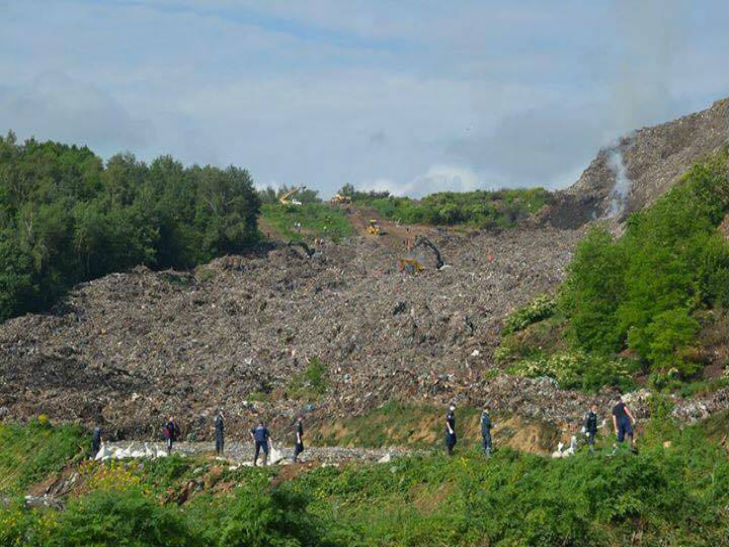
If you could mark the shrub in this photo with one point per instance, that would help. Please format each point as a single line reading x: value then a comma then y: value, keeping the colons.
x: 540, y: 308
x: 119, y: 517
x: 578, y: 370
x: 642, y: 289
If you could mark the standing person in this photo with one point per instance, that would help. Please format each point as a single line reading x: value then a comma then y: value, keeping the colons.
x: 450, y: 437
x: 591, y: 427
x: 486, y: 431
x: 261, y: 436
x: 171, y: 432
x: 299, y: 446
x: 219, y: 432
x: 96, y: 440
x: 623, y: 422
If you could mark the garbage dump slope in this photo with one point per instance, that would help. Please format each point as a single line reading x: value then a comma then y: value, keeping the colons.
x: 132, y: 347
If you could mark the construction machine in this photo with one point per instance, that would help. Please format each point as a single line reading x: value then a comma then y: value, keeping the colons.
x: 339, y: 199
x: 411, y: 264
x: 374, y: 228
x: 288, y: 197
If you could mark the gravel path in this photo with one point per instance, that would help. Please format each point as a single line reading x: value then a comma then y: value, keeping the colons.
x: 243, y: 451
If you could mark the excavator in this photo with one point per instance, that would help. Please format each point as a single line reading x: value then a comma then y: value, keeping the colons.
x: 339, y: 199
x: 411, y: 264
x: 288, y: 197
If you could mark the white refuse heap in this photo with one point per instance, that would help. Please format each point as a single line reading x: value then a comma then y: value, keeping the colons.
x: 116, y: 453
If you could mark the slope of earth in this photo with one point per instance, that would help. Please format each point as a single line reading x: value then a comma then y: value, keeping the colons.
x: 130, y: 348
x: 653, y: 159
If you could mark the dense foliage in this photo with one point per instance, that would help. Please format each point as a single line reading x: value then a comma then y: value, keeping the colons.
x: 674, y: 492
x: 480, y: 208
x: 641, y: 291
x: 66, y: 216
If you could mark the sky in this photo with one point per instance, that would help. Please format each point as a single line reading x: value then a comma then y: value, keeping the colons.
x: 409, y: 96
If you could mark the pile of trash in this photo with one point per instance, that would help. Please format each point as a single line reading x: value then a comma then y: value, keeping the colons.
x: 108, y: 452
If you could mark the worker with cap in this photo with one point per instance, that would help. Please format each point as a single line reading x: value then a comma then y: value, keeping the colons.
x: 450, y: 437
x: 591, y: 427
x: 486, y: 426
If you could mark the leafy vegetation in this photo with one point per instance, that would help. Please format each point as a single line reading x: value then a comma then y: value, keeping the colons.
x: 540, y: 308
x: 649, y: 292
x: 66, y: 216
x: 481, y: 208
x: 641, y: 290
x: 674, y: 492
x: 312, y: 382
x: 29, y: 453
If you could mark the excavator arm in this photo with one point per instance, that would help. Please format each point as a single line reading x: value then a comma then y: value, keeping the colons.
x: 422, y: 241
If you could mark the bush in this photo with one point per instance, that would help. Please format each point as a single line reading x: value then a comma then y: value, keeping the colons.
x: 540, y: 308
x: 640, y: 291
x: 255, y: 516
x: 119, y: 517
x: 578, y: 370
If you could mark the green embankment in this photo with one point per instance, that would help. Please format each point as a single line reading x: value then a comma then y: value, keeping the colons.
x: 317, y: 220
x: 674, y: 492
x: 30, y: 453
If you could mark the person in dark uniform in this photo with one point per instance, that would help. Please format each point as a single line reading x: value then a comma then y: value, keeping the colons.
x: 486, y: 431
x: 591, y: 427
x: 299, y: 445
x: 219, y: 433
x: 96, y: 440
x: 450, y: 437
x: 623, y: 422
x: 171, y: 432
x: 260, y: 436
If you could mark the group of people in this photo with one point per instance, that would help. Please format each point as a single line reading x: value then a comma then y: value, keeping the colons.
x: 622, y: 421
x: 260, y: 436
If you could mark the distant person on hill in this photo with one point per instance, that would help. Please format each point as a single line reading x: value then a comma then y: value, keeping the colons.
x: 623, y: 422
x: 260, y: 436
x: 219, y: 433
x: 486, y: 431
x: 171, y: 432
x: 450, y: 433
x: 299, y: 445
x: 96, y: 440
x: 591, y: 427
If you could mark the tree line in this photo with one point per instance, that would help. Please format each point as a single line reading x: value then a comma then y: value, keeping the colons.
x: 67, y: 216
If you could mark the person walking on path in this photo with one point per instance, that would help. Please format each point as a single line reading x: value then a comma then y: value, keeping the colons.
x: 219, y: 433
x: 450, y: 433
x: 486, y: 426
x: 171, y: 432
x: 299, y: 445
x: 261, y: 436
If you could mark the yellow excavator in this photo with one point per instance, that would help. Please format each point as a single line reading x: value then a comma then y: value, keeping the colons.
x: 339, y: 199
x: 411, y: 264
x: 374, y: 228
x: 288, y: 197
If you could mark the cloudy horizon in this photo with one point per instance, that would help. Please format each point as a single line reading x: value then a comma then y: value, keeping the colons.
x: 412, y: 97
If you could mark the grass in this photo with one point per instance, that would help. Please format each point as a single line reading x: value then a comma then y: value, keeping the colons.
x: 668, y: 494
x: 318, y: 220
x: 28, y: 454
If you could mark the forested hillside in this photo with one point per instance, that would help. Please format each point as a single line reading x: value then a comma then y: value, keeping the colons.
x: 67, y: 216
x: 652, y: 302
